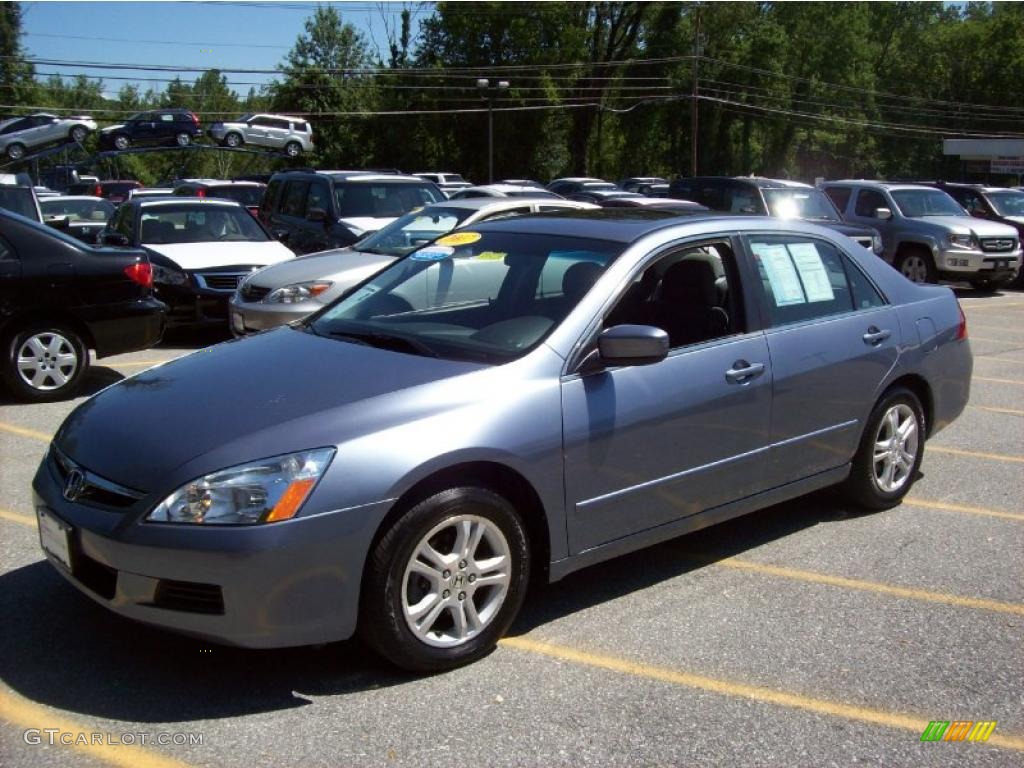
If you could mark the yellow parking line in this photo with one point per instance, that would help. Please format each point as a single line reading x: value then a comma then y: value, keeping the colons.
x: 26, y: 714
x: 992, y: 409
x: 923, y: 595
x: 757, y: 693
x: 14, y: 517
x: 24, y: 432
x: 975, y: 454
x: 997, y: 381
x: 913, y: 501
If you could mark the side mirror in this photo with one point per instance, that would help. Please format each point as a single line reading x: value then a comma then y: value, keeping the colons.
x: 59, y: 222
x: 883, y: 213
x: 114, y: 238
x: 632, y: 345
x: 316, y: 214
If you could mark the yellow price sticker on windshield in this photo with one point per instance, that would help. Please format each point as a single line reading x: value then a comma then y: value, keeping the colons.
x: 459, y: 238
x: 490, y: 256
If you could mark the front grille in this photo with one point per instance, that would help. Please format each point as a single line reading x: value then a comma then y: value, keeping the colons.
x: 91, y: 488
x: 252, y: 292
x: 189, y: 597
x: 220, y: 281
x: 998, y: 244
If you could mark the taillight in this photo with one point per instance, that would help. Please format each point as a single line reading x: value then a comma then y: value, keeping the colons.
x: 98, y: 192
x: 200, y: 192
x: 195, y: 118
x: 961, y: 331
x: 141, y: 273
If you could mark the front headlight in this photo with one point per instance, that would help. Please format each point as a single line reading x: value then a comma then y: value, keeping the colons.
x: 876, y: 244
x: 259, y: 492
x: 293, y: 294
x: 961, y: 241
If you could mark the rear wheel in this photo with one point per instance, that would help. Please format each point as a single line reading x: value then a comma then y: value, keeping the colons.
x: 78, y: 134
x: 916, y: 265
x: 890, y: 452
x: 182, y: 139
x: 122, y: 142
x: 293, y: 149
x: 446, y: 580
x: 15, y: 151
x: 233, y: 140
x: 45, y: 362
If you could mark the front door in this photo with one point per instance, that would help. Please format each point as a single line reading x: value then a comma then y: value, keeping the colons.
x: 647, y: 445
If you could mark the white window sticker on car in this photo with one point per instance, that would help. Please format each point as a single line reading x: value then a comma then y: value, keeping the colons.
x: 782, y: 276
x: 812, y: 271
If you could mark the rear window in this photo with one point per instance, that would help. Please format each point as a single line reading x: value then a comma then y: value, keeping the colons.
x: 382, y: 200
x: 248, y: 196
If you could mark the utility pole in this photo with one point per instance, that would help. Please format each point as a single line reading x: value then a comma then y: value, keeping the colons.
x: 488, y: 92
x: 694, y: 100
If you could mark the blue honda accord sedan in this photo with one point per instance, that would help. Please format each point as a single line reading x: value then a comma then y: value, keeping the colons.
x: 523, y: 399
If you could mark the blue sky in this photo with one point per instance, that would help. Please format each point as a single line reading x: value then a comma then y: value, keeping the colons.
x: 206, y: 34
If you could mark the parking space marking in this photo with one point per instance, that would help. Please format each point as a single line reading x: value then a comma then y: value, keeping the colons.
x: 15, y: 517
x: 26, y: 714
x: 911, y: 593
x: 997, y: 359
x: 997, y: 381
x: 975, y: 454
x: 24, y: 432
x: 997, y: 341
x: 993, y: 409
x: 757, y: 693
x: 137, y: 363
x: 972, y: 306
x: 1002, y: 328
x: 946, y: 506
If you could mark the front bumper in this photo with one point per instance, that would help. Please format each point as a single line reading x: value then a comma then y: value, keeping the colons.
x: 986, y: 264
x: 193, y: 307
x: 268, y: 586
x: 251, y: 317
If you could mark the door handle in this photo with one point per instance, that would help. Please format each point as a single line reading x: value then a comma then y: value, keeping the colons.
x: 874, y: 337
x: 742, y: 371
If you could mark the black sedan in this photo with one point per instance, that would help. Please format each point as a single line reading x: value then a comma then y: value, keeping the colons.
x: 59, y: 298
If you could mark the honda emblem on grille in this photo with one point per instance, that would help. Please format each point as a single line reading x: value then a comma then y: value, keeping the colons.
x: 74, y: 485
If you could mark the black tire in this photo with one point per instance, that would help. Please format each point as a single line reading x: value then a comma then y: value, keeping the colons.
x: 78, y: 134
x: 293, y: 149
x: 121, y: 142
x: 15, y: 151
x: 49, y: 388
x: 861, y: 487
x: 382, y: 622
x: 919, y: 263
x: 182, y: 139
x: 233, y: 140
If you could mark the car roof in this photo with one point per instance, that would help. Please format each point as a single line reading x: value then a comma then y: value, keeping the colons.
x: 890, y: 185
x: 978, y: 187
x: 623, y: 225
x: 356, y: 176
x: 756, y: 181
x: 479, y: 203
x: 155, y: 202
x: 90, y: 198
x: 220, y: 183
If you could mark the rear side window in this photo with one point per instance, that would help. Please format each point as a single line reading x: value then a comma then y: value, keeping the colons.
x: 840, y: 196
x: 806, y: 279
x: 300, y: 126
x: 294, y: 202
x: 868, y: 200
x: 270, y: 198
x: 742, y: 198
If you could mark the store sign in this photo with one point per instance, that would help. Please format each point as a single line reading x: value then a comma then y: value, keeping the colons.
x: 1007, y: 165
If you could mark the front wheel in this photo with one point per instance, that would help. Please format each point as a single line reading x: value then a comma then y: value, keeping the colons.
x: 917, y: 266
x: 122, y: 142
x: 293, y: 149
x: 15, y: 151
x: 233, y: 140
x: 182, y: 139
x: 890, y: 452
x: 45, y: 362
x: 78, y: 134
x: 446, y: 580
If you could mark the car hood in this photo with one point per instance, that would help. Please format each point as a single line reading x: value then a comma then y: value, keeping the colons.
x: 222, y: 254
x: 967, y: 224
x: 272, y: 393
x: 1015, y: 221
x: 342, y: 265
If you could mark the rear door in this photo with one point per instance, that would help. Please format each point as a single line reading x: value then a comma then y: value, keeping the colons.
x: 833, y: 339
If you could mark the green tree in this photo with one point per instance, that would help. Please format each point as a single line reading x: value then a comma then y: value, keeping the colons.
x: 17, y: 83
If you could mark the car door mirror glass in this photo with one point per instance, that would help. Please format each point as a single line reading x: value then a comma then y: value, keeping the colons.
x: 883, y: 213
x: 632, y: 345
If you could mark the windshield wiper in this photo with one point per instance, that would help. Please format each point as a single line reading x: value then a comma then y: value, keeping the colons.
x: 385, y: 341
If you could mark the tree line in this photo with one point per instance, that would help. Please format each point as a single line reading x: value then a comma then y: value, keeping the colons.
x: 794, y: 90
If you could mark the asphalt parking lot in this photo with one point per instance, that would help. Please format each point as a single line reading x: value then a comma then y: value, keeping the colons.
x: 802, y: 635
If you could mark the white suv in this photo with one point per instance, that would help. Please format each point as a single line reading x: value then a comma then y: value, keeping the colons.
x: 21, y: 134
x: 290, y: 134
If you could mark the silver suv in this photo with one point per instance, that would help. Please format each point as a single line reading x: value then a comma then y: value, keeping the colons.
x: 22, y: 134
x: 927, y: 236
x: 290, y: 134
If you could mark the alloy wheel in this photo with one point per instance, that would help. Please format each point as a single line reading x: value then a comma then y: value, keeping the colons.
x: 896, y: 446
x: 456, y: 581
x: 183, y: 139
x: 233, y: 140
x: 915, y: 269
x: 15, y: 151
x: 47, y: 361
x: 78, y: 134
x: 121, y: 142
x: 293, y: 149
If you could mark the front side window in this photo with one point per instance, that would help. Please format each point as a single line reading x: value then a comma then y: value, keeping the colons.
x: 915, y: 203
x: 170, y: 224
x: 381, y: 199
x: 471, y: 295
x: 868, y: 201
x: 1007, y: 202
x: 742, y: 198
x: 806, y: 279
x: 294, y: 202
x: 839, y: 195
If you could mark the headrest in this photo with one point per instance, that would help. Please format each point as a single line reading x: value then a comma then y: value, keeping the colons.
x: 690, y: 280
x: 580, y: 278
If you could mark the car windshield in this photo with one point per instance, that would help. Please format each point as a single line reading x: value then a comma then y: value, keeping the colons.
x: 382, y: 199
x: 245, y: 195
x: 800, y: 204
x: 78, y: 210
x: 915, y: 203
x: 1008, y: 202
x: 20, y: 200
x: 487, y: 296
x: 413, y: 230
x: 169, y: 224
